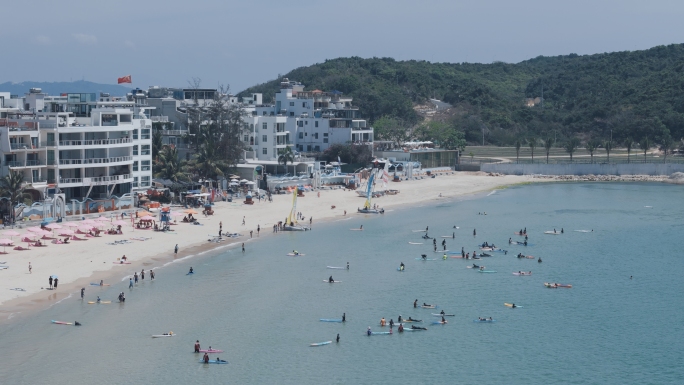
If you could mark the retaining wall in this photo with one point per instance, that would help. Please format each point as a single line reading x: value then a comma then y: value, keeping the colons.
x: 584, y: 168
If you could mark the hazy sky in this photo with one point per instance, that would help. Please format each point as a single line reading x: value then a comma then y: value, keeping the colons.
x: 243, y: 43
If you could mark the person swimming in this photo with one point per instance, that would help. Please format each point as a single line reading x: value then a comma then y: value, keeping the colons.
x: 191, y: 271
x: 344, y: 317
x: 347, y: 265
x: 369, y: 332
x: 76, y: 323
x: 539, y: 260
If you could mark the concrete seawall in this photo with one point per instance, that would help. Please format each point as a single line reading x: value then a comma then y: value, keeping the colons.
x: 584, y: 168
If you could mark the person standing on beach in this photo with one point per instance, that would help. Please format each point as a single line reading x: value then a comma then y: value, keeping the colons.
x: 55, y: 282
x: 175, y: 250
x: 243, y: 220
x: 50, y: 280
x: 151, y: 275
x: 243, y: 247
x: 82, y: 292
x: 30, y: 267
x: 258, y: 229
x: 220, y: 225
x: 250, y: 233
x: 130, y: 283
x: 142, y: 274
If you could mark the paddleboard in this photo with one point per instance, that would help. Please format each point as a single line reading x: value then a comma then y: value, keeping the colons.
x: 400, y: 269
x: 457, y: 256
x: 440, y: 251
x: 552, y: 233
x: 429, y: 306
x: 191, y: 272
x: 61, y: 322
x: 211, y: 351
x: 511, y: 305
x: 97, y: 284
x: 415, y: 243
x: 583, y: 231
x: 95, y: 302
x: 483, y: 321
x: 413, y: 330
x: 163, y: 335
x: 320, y: 343
x: 336, y: 267
x: 4, y: 267
x: 559, y: 285
x: 355, y: 229
x: 428, y: 259
x: 446, y: 236
x: 419, y: 231
x: 438, y: 323
x: 379, y: 333
x: 213, y: 362
x: 411, y: 321
x: 295, y: 255
x: 325, y: 280
x: 519, y: 233
x: 443, y: 315
x: 18, y: 289
x: 523, y: 273
x: 331, y: 320
x: 486, y: 271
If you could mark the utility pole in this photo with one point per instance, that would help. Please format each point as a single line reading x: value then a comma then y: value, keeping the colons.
x: 542, y: 101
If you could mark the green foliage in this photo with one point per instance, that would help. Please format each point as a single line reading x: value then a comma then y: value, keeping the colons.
x: 390, y: 128
x: 629, y: 144
x: 348, y: 153
x: 571, y: 145
x: 645, y: 145
x: 286, y: 155
x: 12, y: 185
x: 444, y: 135
x: 169, y: 165
x: 548, y: 143
x: 634, y: 94
x: 532, y: 142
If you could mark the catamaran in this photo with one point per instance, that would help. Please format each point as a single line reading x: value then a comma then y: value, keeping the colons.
x: 291, y: 223
x: 367, y: 208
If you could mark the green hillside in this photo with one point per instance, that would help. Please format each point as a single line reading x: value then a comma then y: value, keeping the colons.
x: 629, y: 94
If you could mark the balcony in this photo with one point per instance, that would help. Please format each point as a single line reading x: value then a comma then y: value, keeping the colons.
x: 22, y: 163
x: 96, y: 181
x: 95, y: 160
x: 39, y: 180
x: 95, y: 142
x: 21, y: 146
x: 48, y: 143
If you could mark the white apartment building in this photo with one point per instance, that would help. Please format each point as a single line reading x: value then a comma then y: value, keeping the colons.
x: 313, y: 120
x: 95, y: 148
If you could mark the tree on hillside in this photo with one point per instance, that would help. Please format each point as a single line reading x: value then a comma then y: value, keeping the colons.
x: 548, y: 143
x: 608, y: 145
x: 391, y: 129
x: 629, y: 143
x: 571, y: 146
x: 645, y: 144
x: 518, y: 144
x: 591, y: 146
x: 532, y: 142
x: 286, y: 155
x: 666, y: 145
x: 443, y: 134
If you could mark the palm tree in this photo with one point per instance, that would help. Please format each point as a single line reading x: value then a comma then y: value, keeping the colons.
x: 548, y: 143
x: 666, y: 146
x: 571, y: 146
x: 592, y: 145
x: 645, y: 144
x: 629, y: 143
x: 285, y: 156
x: 518, y: 144
x: 208, y: 162
x: 157, y: 143
x: 532, y: 142
x: 12, y: 184
x: 608, y: 145
x: 170, y: 166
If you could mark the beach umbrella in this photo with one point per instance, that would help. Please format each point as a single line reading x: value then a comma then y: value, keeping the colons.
x: 119, y: 223
x: 234, y: 180
x: 53, y: 226
x: 11, y: 233
x: 88, y: 222
x: 190, y: 211
x: 147, y: 218
x: 102, y: 219
x: 34, y: 229
x: 249, y: 183
x: 4, y: 243
x: 71, y: 224
x: 66, y: 232
x: 54, y: 276
x: 243, y: 181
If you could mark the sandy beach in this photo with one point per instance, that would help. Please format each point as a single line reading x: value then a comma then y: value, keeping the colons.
x: 81, y: 262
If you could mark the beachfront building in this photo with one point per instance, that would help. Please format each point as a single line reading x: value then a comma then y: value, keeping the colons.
x: 95, y: 148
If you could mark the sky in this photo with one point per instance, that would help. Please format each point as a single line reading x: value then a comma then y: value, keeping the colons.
x: 244, y: 43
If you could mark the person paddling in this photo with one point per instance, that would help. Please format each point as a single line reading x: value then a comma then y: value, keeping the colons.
x: 331, y: 280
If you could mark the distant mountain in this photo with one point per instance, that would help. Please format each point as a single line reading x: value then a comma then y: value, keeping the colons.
x: 615, y: 95
x: 56, y: 88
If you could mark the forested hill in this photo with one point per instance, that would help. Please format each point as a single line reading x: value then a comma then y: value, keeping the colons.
x: 633, y: 94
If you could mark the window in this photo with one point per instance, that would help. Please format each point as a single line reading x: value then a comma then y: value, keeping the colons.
x: 246, y: 138
x: 325, y: 134
x: 306, y: 122
x: 264, y: 125
x: 264, y: 113
x: 308, y: 147
x: 145, y: 165
x: 315, y: 135
x: 264, y: 151
x: 135, y: 181
x: 300, y: 123
x: 145, y: 150
x: 145, y: 134
x: 325, y: 140
x: 317, y: 148
x: 145, y: 181
x: 135, y: 166
x: 135, y: 150
x: 316, y: 123
x: 251, y: 127
x: 291, y: 113
x: 304, y: 104
x: 291, y: 104
x: 301, y: 135
x: 264, y: 138
x: 135, y: 134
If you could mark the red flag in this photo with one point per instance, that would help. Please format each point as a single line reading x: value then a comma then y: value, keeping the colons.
x: 125, y: 79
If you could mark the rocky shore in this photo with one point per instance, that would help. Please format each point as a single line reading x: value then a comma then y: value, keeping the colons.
x: 676, y: 178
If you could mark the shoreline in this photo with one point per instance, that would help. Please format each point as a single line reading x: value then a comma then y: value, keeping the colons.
x: 449, y: 186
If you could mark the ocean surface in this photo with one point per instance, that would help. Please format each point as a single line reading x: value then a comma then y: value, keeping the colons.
x: 263, y: 307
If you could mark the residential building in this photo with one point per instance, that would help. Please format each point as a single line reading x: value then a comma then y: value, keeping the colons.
x: 77, y: 145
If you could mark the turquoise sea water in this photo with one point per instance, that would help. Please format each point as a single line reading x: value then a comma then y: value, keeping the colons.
x: 263, y: 307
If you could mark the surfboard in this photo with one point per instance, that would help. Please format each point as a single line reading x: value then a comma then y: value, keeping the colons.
x: 320, y: 343
x: 325, y: 280
x: 95, y: 302
x: 511, y: 305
